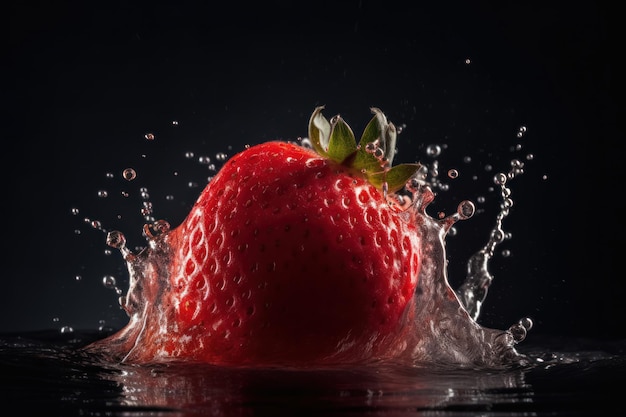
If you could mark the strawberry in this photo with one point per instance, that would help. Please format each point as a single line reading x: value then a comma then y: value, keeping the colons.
x: 290, y: 256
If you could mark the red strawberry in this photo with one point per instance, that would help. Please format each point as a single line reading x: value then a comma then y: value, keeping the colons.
x: 289, y: 256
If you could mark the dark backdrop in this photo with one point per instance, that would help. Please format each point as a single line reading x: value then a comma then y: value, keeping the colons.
x: 84, y: 82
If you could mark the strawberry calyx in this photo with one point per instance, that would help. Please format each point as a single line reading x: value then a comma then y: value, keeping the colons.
x: 372, y: 157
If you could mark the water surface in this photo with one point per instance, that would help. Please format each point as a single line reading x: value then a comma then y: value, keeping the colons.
x: 45, y: 373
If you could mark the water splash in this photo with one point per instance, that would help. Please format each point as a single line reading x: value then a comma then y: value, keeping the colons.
x: 444, y: 327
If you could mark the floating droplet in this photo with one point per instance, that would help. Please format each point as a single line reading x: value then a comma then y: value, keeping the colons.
x: 433, y: 150
x: 465, y: 209
x: 116, y: 239
x: 527, y: 323
x: 453, y: 173
x: 129, y: 174
x: 109, y: 281
x: 149, y: 136
x: 500, y: 179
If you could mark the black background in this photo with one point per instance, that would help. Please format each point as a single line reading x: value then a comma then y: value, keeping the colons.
x: 83, y: 84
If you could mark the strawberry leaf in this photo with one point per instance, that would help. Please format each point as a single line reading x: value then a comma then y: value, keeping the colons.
x: 372, y: 157
x: 342, y: 143
x: 374, y: 128
x: 378, y: 133
x: 319, y: 131
x: 395, y: 177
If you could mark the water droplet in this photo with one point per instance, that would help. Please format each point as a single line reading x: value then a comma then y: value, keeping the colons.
x: 453, y: 173
x: 205, y: 160
x: 466, y: 209
x: 149, y: 136
x: 527, y: 323
x: 500, y: 179
x: 78, y: 278
x: 468, y: 61
x: 175, y: 122
x: 497, y: 235
x: 129, y: 174
x: 103, y: 194
x: 221, y: 156
x: 116, y: 239
x: 161, y: 226
x: 75, y: 211
x: 433, y: 150
x: 189, y: 155
x: 518, y: 332
x: 67, y: 329
x: 109, y: 281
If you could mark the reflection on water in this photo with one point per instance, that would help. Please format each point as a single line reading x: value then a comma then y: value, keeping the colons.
x: 581, y: 379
